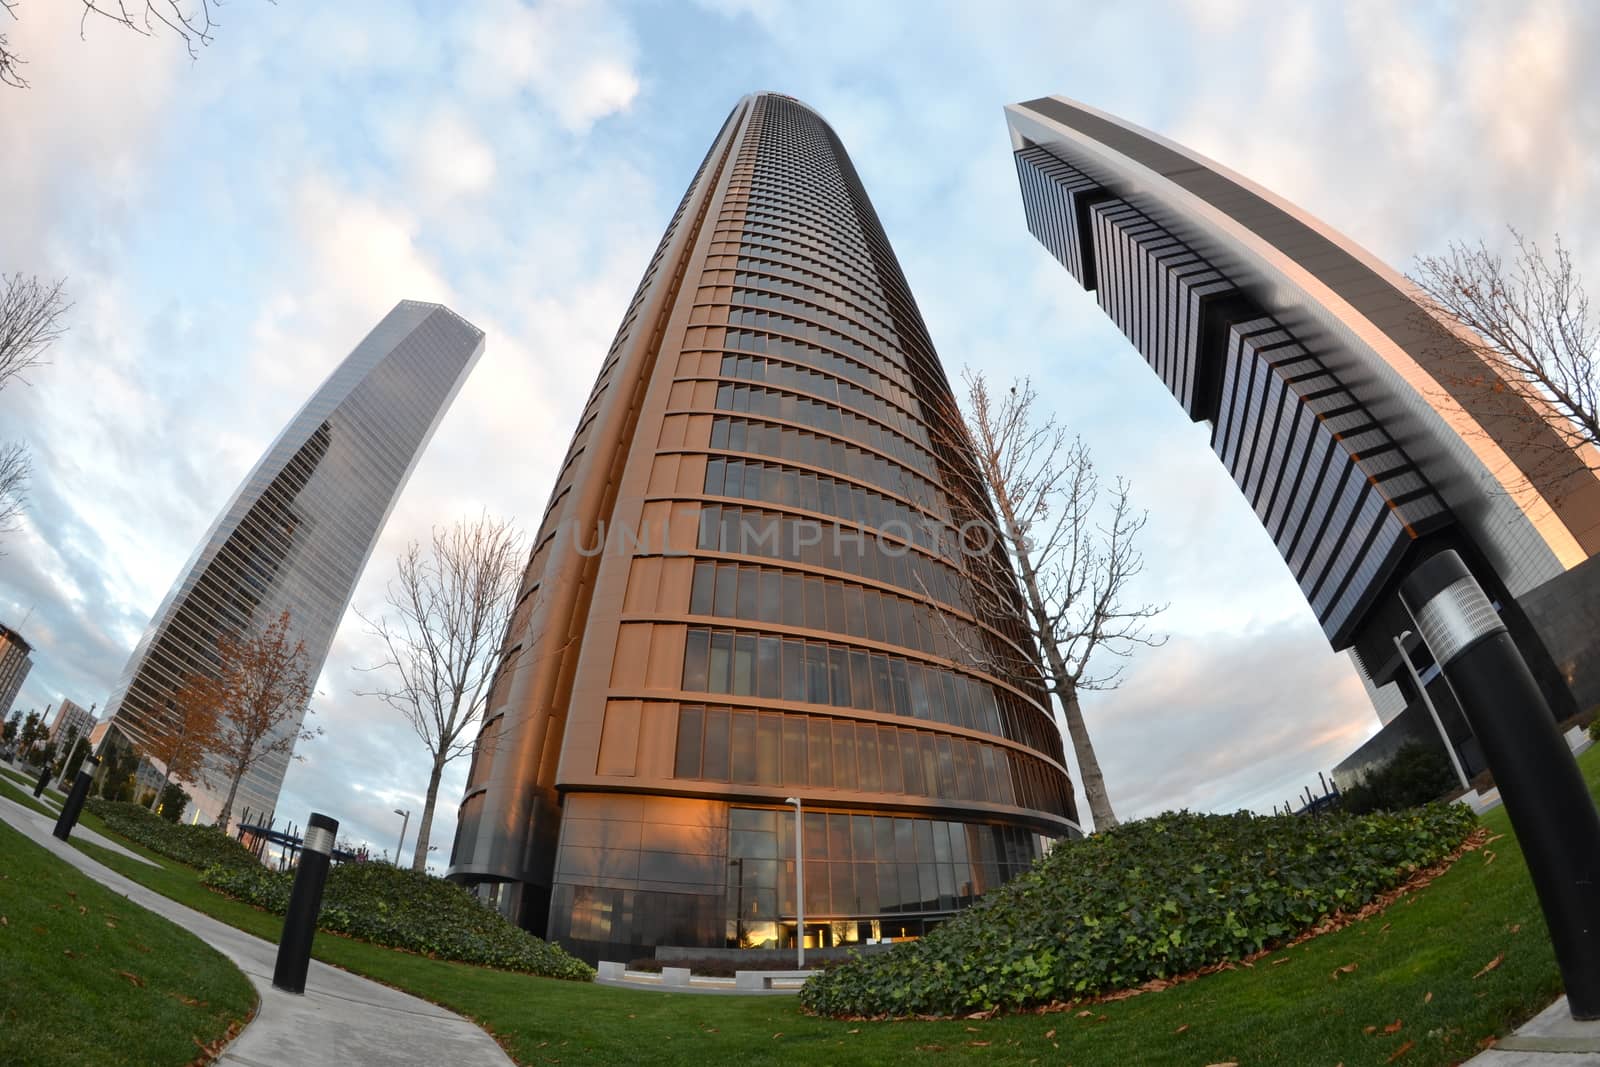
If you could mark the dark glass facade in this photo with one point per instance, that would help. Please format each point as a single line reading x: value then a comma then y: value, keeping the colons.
x: 296, y: 535
x: 747, y: 587
x: 1364, y: 435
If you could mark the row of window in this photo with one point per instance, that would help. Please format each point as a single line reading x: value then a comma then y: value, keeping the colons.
x: 741, y: 663
x: 756, y: 369
x: 818, y: 414
x: 848, y: 249
x: 773, y: 483
x: 767, y: 594
x: 810, y: 285
x: 772, y: 748
x: 831, y: 363
x: 755, y: 291
x: 787, y: 442
x: 793, y: 539
x: 810, y: 331
x: 768, y: 252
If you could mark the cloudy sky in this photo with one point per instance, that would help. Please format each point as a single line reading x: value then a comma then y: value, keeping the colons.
x: 232, y: 226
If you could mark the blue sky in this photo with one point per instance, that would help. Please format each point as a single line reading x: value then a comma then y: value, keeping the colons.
x: 232, y: 226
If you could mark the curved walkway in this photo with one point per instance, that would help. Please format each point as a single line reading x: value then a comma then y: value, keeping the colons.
x: 341, y: 1019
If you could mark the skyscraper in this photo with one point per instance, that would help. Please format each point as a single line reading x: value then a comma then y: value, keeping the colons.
x: 72, y: 718
x: 746, y: 589
x: 1365, y: 435
x: 297, y: 533
x: 15, y: 663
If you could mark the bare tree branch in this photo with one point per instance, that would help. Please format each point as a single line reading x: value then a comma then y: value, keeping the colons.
x: 1076, y: 555
x: 192, y: 21
x: 14, y: 470
x: 31, y: 314
x: 1528, y: 323
x: 9, y: 60
x: 452, y: 604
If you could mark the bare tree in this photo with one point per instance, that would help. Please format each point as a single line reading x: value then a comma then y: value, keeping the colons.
x: 453, y: 601
x: 261, y: 692
x: 1528, y: 323
x: 1075, y: 556
x: 191, y: 22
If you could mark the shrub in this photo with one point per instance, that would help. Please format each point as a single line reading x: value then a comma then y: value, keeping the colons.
x: 1148, y: 900
x: 197, y: 846
x: 1594, y: 728
x: 407, y: 910
x: 173, y: 801
x: 1413, y: 776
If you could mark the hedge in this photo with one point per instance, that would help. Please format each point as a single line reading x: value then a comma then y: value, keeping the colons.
x: 197, y: 846
x: 1152, y: 899
x: 407, y: 910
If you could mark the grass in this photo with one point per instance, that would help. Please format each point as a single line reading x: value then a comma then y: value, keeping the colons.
x: 86, y: 976
x: 1419, y: 965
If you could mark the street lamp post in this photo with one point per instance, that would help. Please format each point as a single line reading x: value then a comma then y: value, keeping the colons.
x: 404, y: 823
x: 799, y: 886
x: 1543, y: 790
x: 1438, y: 724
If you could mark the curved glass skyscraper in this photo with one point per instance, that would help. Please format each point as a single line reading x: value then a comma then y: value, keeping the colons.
x: 747, y: 588
x: 296, y: 535
x: 1365, y: 435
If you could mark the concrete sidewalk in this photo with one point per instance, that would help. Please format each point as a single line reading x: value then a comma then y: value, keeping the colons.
x: 342, y: 1019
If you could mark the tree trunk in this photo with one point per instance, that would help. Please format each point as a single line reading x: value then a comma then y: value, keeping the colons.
x: 227, y: 805
x: 1094, y: 784
x: 1062, y: 682
x: 419, y: 854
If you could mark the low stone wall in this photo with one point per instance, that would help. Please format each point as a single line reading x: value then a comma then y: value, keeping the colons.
x: 762, y: 958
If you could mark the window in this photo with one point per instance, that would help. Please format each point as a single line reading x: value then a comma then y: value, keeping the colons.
x: 688, y: 762
x: 694, y: 661
x: 721, y: 653
x: 715, y: 767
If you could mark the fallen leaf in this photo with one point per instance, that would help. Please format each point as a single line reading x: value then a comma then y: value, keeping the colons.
x: 1181, y: 1029
x: 1384, y: 927
x: 978, y: 1044
x: 1086, y: 1015
x: 82, y: 910
x: 1428, y: 999
x: 71, y: 955
x: 111, y: 924
x: 973, y: 1030
x: 1284, y: 959
x: 1369, y: 1030
x: 4, y: 921
x: 1224, y: 1063
x: 1488, y: 856
x: 852, y: 1031
x: 1401, y: 1051
x: 1491, y: 965
x: 930, y: 1048
x: 1514, y: 927
x: 1346, y: 969
x: 1102, y: 1018
x: 777, y: 1035
x: 1048, y: 1034
x: 1393, y: 1028
x: 130, y: 976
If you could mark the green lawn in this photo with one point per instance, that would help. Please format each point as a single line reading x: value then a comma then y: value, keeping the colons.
x: 86, y: 976
x: 1416, y: 965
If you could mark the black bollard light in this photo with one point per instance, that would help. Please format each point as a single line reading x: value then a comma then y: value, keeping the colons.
x: 300, y: 921
x: 74, y: 804
x: 1543, y: 790
x: 44, y: 779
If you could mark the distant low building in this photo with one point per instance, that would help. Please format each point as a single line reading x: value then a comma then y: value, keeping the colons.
x: 73, y: 719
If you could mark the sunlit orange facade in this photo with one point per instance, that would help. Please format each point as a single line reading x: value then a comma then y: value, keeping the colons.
x: 746, y: 588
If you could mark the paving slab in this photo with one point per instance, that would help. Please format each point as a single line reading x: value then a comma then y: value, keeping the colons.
x: 1553, y: 1038
x: 342, y: 1018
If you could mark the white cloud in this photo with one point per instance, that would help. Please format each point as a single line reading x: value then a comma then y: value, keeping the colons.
x: 452, y: 159
x: 572, y: 57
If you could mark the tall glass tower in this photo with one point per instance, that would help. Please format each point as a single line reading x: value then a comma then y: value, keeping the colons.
x: 296, y: 535
x: 746, y: 589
